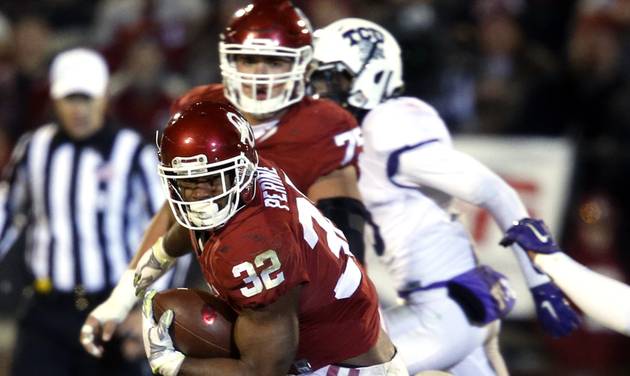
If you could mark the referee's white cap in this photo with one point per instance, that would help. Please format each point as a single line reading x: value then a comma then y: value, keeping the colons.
x: 78, y: 71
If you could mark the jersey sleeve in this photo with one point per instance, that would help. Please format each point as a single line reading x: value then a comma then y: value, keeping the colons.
x: 460, y: 175
x: 404, y: 123
x: 265, y: 267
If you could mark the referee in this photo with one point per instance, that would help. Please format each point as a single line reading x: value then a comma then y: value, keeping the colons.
x: 82, y: 191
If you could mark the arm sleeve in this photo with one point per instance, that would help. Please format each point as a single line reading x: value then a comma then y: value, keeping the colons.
x: 604, y: 299
x: 350, y: 216
x: 439, y: 166
x: 13, y: 196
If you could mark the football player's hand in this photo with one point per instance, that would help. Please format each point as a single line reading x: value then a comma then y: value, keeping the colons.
x: 101, y: 323
x: 158, y: 345
x: 555, y: 315
x: 531, y: 235
x: 151, y: 266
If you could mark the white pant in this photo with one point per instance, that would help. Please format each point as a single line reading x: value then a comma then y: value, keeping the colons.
x: 395, y: 367
x: 431, y: 332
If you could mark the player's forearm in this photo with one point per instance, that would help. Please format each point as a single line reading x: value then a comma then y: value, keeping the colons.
x: 505, y: 207
x: 533, y: 277
x: 155, y: 263
x: 459, y: 175
x: 339, y: 183
x: 350, y: 216
x: 337, y: 196
x: 604, y: 299
x: 158, y: 226
x: 177, y: 241
x: 120, y: 301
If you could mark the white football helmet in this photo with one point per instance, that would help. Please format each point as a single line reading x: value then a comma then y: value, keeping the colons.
x: 367, y: 54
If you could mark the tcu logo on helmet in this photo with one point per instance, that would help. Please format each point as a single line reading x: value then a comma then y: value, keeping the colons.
x: 247, y: 134
x: 363, y: 34
x: 370, y: 41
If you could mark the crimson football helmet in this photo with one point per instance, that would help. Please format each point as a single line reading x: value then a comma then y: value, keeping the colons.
x: 207, y: 142
x: 266, y: 28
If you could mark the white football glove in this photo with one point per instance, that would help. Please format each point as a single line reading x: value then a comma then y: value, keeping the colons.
x: 103, y: 320
x: 158, y: 345
x: 151, y: 266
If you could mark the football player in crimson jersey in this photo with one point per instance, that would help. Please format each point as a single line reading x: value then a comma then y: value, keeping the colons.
x: 305, y: 304
x: 265, y: 53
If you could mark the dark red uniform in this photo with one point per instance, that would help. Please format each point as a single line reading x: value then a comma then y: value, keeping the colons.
x: 279, y: 241
x: 312, y: 139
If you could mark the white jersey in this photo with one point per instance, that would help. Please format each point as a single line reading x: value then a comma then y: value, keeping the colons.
x: 409, y: 174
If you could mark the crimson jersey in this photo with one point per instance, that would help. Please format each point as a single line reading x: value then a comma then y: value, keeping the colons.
x: 312, y: 139
x: 279, y: 241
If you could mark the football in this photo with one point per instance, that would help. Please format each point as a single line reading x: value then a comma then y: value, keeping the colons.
x: 202, y: 324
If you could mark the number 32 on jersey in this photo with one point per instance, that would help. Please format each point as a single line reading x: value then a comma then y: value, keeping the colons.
x: 256, y: 283
x: 348, y: 281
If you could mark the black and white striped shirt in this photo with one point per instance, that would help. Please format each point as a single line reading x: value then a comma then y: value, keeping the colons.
x: 84, y: 205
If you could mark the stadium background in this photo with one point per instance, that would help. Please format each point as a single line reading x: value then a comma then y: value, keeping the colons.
x: 537, y: 89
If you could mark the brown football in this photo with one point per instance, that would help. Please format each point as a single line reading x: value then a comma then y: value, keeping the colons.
x: 202, y: 324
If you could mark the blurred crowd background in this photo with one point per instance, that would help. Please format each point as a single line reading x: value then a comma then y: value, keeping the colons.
x: 554, y: 68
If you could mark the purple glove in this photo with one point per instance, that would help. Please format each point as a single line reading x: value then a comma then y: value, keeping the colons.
x: 555, y: 315
x: 532, y: 235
